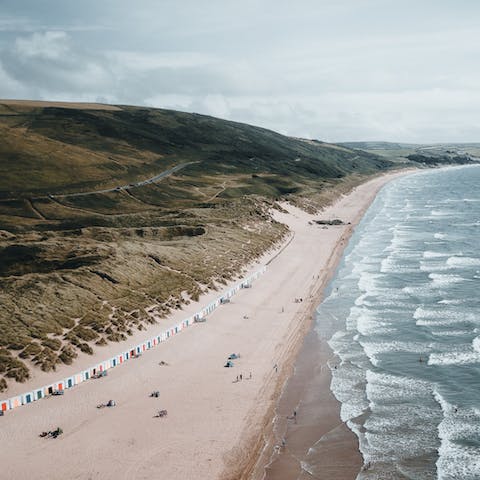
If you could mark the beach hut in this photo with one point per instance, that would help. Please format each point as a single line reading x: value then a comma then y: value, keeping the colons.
x: 15, y: 402
x: 38, y: 394
x: 27, y: 398
x: 49, y: 389
x: 78, y: 378
x: 4, y: 406
x: 69, y: 382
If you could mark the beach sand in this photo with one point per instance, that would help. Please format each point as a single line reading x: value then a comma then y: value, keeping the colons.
x: 215, y: 426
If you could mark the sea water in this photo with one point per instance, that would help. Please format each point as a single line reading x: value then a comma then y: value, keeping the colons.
x: 406, y: 303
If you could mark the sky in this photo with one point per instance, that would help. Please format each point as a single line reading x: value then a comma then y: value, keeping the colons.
x: 344, y: 70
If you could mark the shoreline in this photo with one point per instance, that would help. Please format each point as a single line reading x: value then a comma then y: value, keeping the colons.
x: 213, y: 420
x: 278, y: 456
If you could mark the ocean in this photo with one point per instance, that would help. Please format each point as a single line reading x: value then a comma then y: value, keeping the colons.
x: 405, y: 305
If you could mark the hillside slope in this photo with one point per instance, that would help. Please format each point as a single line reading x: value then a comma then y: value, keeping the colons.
x: 112, y: 216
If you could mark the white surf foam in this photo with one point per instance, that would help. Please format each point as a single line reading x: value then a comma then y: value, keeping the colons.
x: 443, y: 279
x: 457, y: 261
x: 466, y: 357
x: 432, y: 254
x: 457, y: 460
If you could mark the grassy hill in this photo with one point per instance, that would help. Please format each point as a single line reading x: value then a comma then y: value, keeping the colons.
x: 93, y: 245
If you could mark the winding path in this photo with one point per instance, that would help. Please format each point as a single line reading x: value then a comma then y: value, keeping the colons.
x: 142, y: 183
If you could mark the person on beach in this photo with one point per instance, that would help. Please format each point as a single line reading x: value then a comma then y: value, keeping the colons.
x: 241, y: 376
x: 250, y: 377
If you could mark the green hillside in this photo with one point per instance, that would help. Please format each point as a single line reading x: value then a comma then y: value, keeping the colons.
x: 111, y: 217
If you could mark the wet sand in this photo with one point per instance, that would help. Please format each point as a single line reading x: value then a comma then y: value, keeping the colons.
x: 316, y: 442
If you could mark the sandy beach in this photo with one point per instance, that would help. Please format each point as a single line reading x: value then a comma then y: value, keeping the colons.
x: 216, y: 426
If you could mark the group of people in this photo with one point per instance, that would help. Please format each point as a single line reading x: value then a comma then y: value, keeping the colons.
x: 52, y: 434
x: 240, y: 377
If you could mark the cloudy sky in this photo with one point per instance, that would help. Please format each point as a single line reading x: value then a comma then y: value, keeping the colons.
x: 335, y: 70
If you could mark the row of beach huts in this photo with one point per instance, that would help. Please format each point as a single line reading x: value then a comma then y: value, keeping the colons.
x: 132, y: 352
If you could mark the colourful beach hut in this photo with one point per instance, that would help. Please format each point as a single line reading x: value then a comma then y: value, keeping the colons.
x: 69, y: 382
x: 38, y: 394
x: 4, y: 405
x: 49, y: 389
x: 28, y: 398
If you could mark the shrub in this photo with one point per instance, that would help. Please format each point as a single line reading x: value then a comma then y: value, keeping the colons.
x: 84, y: 333
x: 30, y: 350
x: 86, y: 348
x: 67, y: 354
x: 17, y: 370
x: 52, y: 343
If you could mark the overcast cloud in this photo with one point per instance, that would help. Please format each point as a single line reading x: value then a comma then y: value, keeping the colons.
x: 333, y: 70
